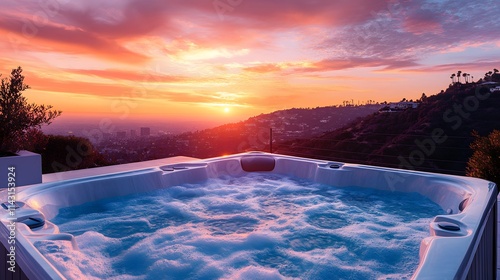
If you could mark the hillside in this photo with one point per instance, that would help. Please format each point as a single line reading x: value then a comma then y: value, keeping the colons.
x: 434, y: 137
x: 251, y: 134
x: 303, y: 122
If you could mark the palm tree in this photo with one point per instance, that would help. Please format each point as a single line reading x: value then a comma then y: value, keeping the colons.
x: 458, y: 76
x: 487, y: 76
x: 465, y: 77
x: 453, y: 78
x: 423, y: 98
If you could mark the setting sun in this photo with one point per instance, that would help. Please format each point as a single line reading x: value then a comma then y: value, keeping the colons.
x: 226, y: 110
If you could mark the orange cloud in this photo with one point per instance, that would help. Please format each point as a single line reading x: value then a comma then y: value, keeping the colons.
x: 76, y: 87
x: 264, y: 68
x: 331, y: 65
x: 66, y: 39
x: 114, y: 74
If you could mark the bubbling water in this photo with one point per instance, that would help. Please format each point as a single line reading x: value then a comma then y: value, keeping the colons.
x: 261, y: 226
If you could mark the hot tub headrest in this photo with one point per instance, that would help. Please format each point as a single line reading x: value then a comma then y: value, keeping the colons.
x: 257, y: 163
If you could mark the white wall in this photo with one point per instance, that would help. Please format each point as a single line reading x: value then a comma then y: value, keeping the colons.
x: 28, y: 169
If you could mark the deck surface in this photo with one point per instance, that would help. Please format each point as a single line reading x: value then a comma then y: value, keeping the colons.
x: 60, y: 176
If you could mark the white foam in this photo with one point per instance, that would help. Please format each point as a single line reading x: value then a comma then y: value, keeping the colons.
x: 253, y: 272
x: 254, y: 227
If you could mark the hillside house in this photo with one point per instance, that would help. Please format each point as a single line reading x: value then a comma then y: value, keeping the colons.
x: 495, y: 89
x: 398, y: 107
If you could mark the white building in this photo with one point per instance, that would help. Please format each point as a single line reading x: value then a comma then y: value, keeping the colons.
x: 495, y: 89
x: 398, y: 107
x: 403, y: 105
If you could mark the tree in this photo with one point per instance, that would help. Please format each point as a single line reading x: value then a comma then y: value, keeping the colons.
x: 465, y: 77
x: 423, y: 98
x: 485, y: 161
x: 495, y: 77
x: 64, y: 153
x: 16, y: 115
x: 452, y: 77
x: 487, y: 76
x: 458, y: 76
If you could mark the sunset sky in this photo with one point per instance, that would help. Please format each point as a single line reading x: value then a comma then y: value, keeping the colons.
x: 226, y: 60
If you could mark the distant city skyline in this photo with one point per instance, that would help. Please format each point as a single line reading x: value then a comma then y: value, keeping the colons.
x: 224, y: 61
x: 86, y: 127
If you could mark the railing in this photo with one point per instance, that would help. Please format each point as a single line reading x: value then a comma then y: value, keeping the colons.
x: 484, y: 263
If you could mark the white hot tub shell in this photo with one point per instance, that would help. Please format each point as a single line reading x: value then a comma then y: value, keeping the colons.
x: 460, y: 245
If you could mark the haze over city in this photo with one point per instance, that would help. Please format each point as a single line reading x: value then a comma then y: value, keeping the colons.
x: 223, y: 61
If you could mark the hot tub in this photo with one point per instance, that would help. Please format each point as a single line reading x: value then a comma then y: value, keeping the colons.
x: 461, y: 243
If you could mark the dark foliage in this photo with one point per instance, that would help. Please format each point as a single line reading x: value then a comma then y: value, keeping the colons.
x: 16, y: 115
x: 485, y: 162
x: 405, y: 139
x: 64, y: 153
